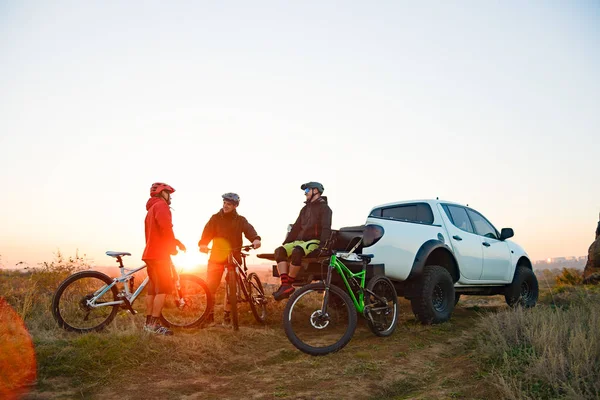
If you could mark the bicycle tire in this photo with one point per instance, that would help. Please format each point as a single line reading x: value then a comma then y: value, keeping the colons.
x: 196, y: 305
x: 67, y: 316
x: 381, y: 286
x: 256, y: 298
x: 232, y: 297
x: 344, y: 302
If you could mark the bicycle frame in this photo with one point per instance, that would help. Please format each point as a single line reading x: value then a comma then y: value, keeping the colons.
x: 126, y: 275
x: 239, y: 270
x: 345, y: 273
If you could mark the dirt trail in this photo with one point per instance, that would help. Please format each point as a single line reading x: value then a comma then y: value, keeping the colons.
x: 416, y: 362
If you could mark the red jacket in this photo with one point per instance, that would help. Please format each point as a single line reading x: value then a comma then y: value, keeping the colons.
x: 160, y: 240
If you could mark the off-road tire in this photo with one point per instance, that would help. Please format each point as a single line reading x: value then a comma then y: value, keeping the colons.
x: 524, y: 289
x: 435, y: 300
x: 319, y: 351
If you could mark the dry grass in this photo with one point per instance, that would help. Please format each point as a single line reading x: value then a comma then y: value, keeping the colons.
x: 551, y: 351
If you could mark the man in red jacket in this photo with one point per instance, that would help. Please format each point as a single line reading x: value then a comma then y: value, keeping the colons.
x: 160, y: 245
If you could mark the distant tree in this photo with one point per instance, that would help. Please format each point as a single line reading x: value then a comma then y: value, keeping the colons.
x: 569, y: 276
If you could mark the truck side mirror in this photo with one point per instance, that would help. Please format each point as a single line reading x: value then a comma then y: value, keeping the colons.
x: 506, y: 233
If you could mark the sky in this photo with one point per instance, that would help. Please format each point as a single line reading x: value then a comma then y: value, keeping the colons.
x: 490, y: 104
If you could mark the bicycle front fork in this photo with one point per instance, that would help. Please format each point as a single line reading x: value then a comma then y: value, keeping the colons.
x: 326, y: 294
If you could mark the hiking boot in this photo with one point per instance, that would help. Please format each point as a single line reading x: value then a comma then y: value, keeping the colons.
x: 227, y: 319
x: 283, y: 292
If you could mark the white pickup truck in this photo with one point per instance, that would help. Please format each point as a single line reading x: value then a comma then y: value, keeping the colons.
x: 435, y: 251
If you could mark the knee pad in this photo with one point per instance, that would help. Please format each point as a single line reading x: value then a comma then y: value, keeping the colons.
x: 280, y: 254
x: 296, y: 257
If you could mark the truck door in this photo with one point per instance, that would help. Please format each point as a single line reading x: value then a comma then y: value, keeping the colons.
x: 465, y: 243
x: 496, y: 254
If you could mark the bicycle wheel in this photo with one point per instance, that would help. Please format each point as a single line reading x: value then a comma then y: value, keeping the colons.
x: 189, y: 306
x: 311, y: 331
x: 256, y: 297
x: 381, y: 314
x: 69, y: 303
x: 232, y: 297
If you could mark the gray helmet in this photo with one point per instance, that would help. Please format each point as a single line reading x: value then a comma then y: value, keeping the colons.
x: 232, y: 197
x: 313, y: 185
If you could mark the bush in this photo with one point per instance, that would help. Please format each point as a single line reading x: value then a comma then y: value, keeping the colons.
x: 569, y: 276
x: 30, y: 293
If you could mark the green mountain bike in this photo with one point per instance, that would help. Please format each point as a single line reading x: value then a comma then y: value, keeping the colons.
x: 320, y: 318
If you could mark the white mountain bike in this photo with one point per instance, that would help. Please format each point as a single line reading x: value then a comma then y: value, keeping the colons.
x: 89, y: 300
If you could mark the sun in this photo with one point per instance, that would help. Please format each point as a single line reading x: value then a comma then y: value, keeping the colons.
x: 190, y: 260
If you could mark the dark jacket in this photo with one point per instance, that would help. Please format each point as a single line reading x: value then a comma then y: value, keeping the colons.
x: 160, y: 240
x: 313, y: 222
x: 225, y: 231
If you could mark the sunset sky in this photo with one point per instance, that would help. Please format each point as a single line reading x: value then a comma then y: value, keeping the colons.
x: 491, y: 104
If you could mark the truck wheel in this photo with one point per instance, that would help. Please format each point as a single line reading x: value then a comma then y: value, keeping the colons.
x: 523, y: 291
x: 435, y: 300
x: 456, y: 298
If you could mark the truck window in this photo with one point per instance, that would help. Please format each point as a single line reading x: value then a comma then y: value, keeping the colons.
x: 375, y: 213
x: 459, y: 217
x: 482, y: 226
x: 420, y: 213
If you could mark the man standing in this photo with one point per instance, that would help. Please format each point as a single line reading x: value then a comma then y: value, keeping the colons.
x: 160, y: 245
x: 225, y: 229
x: 310, y: 231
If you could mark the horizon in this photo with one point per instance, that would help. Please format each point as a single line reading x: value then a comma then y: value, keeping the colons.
x: 490, y: 105
x: 267, y: 266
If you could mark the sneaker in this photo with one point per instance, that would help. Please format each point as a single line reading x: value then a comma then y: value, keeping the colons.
x: 158, y: 329
x: 283, y: 292
x: 162, y: 330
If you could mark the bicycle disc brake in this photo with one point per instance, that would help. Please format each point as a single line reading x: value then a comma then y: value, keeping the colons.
x: 318, y: 320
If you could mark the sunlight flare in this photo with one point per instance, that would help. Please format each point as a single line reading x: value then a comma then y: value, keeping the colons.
x: 190, y: 260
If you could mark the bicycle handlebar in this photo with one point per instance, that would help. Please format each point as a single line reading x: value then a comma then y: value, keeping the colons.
x: 247, y: 247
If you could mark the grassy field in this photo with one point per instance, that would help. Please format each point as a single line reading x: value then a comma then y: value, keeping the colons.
x: 486, y: 351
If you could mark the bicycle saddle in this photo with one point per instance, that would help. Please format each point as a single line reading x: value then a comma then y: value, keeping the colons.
x: 117, y: 253
x: 367, y: 257
x: 266, y: 256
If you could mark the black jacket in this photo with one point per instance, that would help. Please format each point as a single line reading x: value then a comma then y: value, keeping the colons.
x: 313, y: 222
x: 225, y: 230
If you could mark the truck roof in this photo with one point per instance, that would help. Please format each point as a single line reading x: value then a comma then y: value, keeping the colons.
x: 430, y: 201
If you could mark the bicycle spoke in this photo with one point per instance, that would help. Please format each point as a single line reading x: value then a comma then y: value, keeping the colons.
x: 381, y: 304
x: 189, y: 306
x: 72, y: 307
x: 312, y: 327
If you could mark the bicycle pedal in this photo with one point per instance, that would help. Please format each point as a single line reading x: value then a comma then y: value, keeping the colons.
x: 127, y: 305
